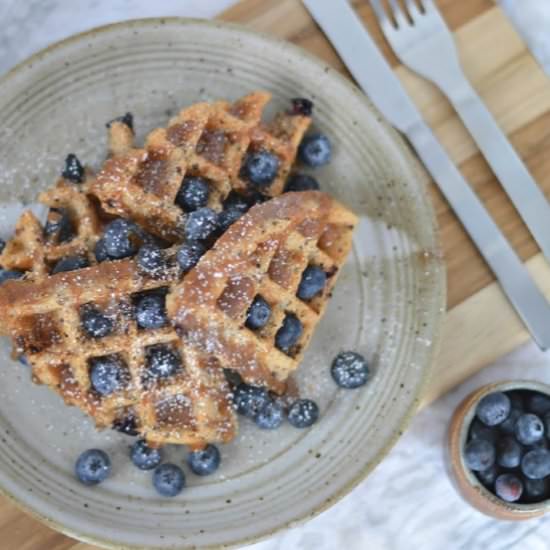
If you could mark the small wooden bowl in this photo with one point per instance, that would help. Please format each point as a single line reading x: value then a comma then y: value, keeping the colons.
x: 465, y: 480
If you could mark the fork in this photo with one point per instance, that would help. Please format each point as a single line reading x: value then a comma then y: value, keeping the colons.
x: 422, y: 41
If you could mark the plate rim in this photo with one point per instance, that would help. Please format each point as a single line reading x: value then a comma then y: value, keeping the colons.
x: 423, y: 180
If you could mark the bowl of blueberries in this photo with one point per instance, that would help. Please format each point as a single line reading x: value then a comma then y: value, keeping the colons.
x: 499, y: 446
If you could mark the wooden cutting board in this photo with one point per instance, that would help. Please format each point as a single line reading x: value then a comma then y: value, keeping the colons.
x: 480, y: 325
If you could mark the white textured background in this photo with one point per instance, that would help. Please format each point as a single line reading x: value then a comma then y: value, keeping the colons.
x: 408, y: 502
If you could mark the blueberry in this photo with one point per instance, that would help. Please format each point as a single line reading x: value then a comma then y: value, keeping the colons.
x: 237, y: 201
x: 227, y: 218
x: 289, y: 333
x: 168, y: 480
x: 270, y: 417
x: 73, y: 171
x: 350, y: 370
x: 108, y: 375
x: 478, y: 430
x: 488, y: 476
x: 94, y: 323
x: 70, y: 263
x: 100, y: 251
x: 93, y: 467
x: 151, y: 311
x: 204, y: 462
x: 258, y: 314
x: 516, y: 400
x: 535, y: 489
x: 301, y: 182
x: 162, y: 361
x: 536, y: 463
x: 145, y: 457
x: 538, y: 403
x: 479, y: 454
x: 493, y: 409
x: 315, y: 150
x: 2, y: 245
x: 127, y: 425
x: 193, y: 193
x: 249, y: 400
x: 127, y: 119
x: 529, y: 429
x: 7, y: 274
x: 23, y: 360
x: 260, y: 168
x: 313, y: 282
x: 508, y: 487
x: 509, y: 452
x: 189, y: 255
x: 151, y: 259
x: 119, y: 239
x: 201, y: 224
x: 303, y: 413
x: 509, y: 425
x: 302, y: 106
x: 59, y: 225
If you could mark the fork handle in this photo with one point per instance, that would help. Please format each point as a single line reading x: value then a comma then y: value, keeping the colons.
x: 512, y: 173
x: 527, y: 299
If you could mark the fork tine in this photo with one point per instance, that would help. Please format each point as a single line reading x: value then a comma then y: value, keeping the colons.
x: 381, y: 14
x: 398, y: 14
x: 412, y: 8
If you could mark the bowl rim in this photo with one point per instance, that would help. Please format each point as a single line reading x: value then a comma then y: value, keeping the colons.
x: 440, y: 298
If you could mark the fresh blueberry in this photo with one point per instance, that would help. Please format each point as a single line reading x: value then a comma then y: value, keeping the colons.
x: 70, y: 263
x: 127, y: 425
x: 151, y: 259
x: 538, y: 403
x: 108, y: 375
x: 509, y: 425
x: 479, y: 454
x: 100, y: 251
x: 493, y: 409
x: 535, y: 489
x: 315, y: 150
x: 201, y: 224
x: 189, y: 255
x: 151, y: 311
x: 162, y: 361
x: 516, y: 400
x: 509, y: 452
x: 270, y: 417
x: 249, y: 400
x: 204, y: 462
x: 536, y: 463
x: 145, y: 457
x: 289, y: 333
x: 258, y: 314
x: 303, y: 413
x: 529, y: 429
x: 227, y: 218
x: 488, y: 476
x: 302, y: 106
x: 127, y: 119
x: 350, y: 370
x: 237, y: 201
x: 508, y: 487
x: 119, y: 239
x: 7, y: 274
x: 301, y: 182
x: 168, y: 480
x: 94, y: 323
x: 59, y: 225
x: 73, y: 171
x: 93, y: 467
x: 478, y: 430
x: 260, y: 168
x: 313, y: 282
x: 193, y: 193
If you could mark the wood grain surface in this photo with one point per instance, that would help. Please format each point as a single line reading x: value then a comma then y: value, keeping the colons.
x: 480, y: 326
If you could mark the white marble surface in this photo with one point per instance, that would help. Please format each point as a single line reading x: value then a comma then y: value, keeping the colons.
x: 408, y: 502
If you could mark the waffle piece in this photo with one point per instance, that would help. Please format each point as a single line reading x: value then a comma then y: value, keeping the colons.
x: 43, y: 318
x: 209, y: 140
x: 263, y: 254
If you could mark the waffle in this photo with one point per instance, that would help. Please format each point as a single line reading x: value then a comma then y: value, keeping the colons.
x: 43, y: 318
x: 265, y: 254
x: 209, y: 140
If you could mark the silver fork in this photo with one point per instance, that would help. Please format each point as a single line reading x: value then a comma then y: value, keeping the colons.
x: 422, y: 41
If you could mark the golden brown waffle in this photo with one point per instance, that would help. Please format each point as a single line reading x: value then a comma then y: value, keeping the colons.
x: 43, y: 318
x: 264, y: 253
x: 209, y: 140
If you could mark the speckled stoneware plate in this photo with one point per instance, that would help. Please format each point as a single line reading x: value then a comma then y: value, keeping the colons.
x: 388, y: 303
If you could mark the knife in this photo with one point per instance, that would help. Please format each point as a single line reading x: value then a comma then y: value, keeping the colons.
x: 371, y: 71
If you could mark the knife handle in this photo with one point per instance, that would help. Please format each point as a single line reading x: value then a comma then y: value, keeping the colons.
x: 527, y: 299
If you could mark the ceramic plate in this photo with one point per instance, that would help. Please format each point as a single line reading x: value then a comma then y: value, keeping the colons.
x: 388, y: 303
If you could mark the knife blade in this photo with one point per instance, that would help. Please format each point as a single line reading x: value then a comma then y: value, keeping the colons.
x: 366, y: 63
